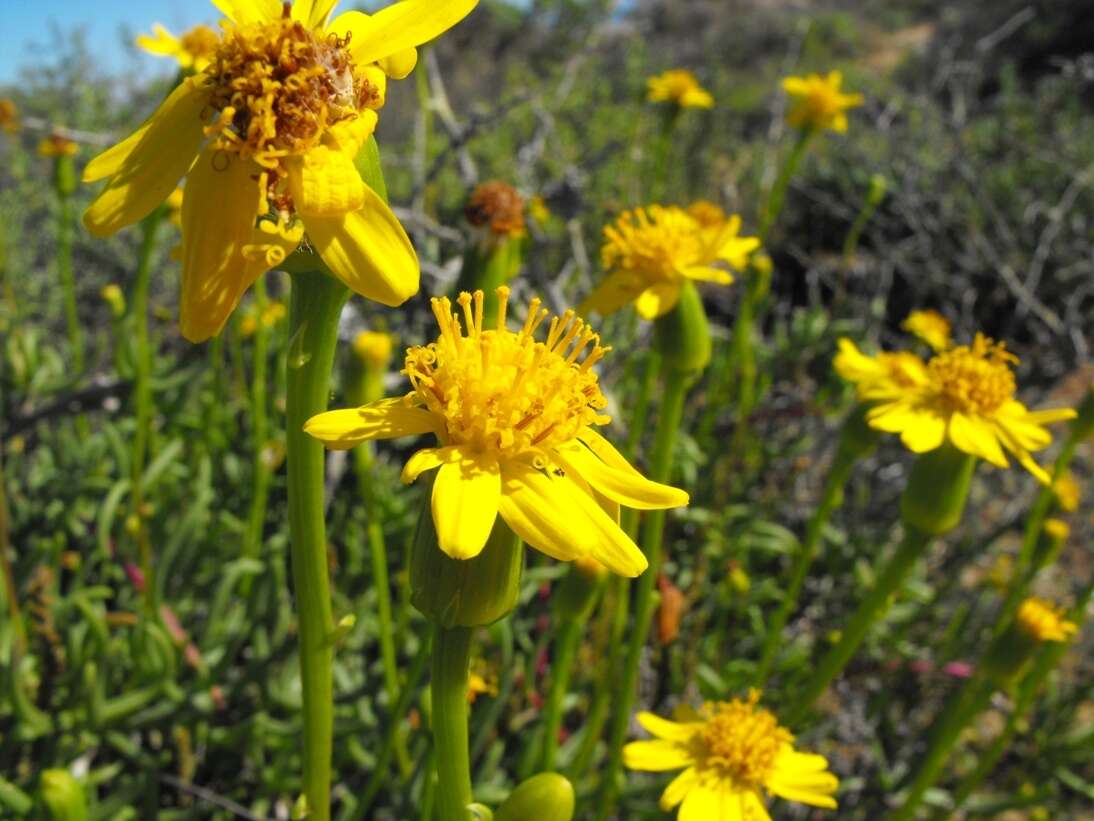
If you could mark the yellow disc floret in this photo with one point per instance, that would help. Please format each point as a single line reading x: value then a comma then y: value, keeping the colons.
x: 655, y: 242
x: 975, y: 378
x: 502, y: 392
x: 741, y: 740
x: 279, y: 86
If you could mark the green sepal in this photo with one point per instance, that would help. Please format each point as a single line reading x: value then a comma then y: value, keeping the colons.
x: 682, y: 336
x: 464, y: 592
x: 544, y: 797
x: 937, y: 489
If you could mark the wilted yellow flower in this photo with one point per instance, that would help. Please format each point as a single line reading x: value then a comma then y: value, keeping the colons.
x: 929, y: 326
x: 9, y: 115
x: 193, y: 51
x: 1067, y: 492
x: 498, y: 207
x: 679, y: 87
x: 1044, y: 621
x: 732, y: 754
x: 650, y: 252
x: 516, y: 422
x: 275, y: 122
x: 964, y: 395
x: 56, y: 145
x: 374, y: 347
x: 818, y: 102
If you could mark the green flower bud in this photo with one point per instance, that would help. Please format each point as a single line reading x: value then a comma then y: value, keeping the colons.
x: 937, y: 489
x: 682, y: 336
x: 464, y: 592
x: 575, y: 595
x: 544, y: 797
x: 878, y: 187
x: 63, y: 796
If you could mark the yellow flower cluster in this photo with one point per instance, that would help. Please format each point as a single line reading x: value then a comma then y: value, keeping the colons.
x: 731, y: 753
x: 964, y: 395
x: 1044, y: 621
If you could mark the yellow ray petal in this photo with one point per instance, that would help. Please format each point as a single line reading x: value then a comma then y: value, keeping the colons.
x: 1051, y: 415
x: 325, y: 183
x: 926, y: 432
x: 606, y: 451
x: 110, y: 161
x: 219, y: 205
x: 657, y: 300
x: 976, y: 438
x: 466, y: 493
x: 678, y: 788
x: 621, y: 486
x: 161, y: 42
x: 313, y: 13
x: 385, y: 419
x: 149, y: 168
x: 704, y: 273
x: 426, y: 459
x: 616, y: 290
x: 398, y: 27
x: 400, y: 64
x: 814, y: 798
x: 369, y: 251
x: 702, y: 804
x: 249, y: 11
x: 540, y: 511
x: 656, y: 756
x: 666, y: 729
x: 752, y: 806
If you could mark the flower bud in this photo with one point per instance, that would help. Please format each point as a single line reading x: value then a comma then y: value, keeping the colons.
x: 114, y: 297
x: 371, y: 355
x: 682, y: 336
x: 878, y: 187
x: 544, y: 797
x: 464, y: 592
x: 63, y: 796
x: 938, y: 486
x: 576, y: 593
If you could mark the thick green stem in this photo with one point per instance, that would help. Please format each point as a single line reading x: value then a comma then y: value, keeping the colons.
x: 958, y: 714
x: 68, y: 281
x: 567, y: 641
x: 451, y: 661
x: 316, y: 303
x: 807, y: 551
x: 872, y: 608
x: 628, y: 519
x: 142, y: 402
x: 664, y: 448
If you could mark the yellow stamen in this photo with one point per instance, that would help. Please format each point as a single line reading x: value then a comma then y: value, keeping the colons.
x: 741, y: 740
x: 975, y: 378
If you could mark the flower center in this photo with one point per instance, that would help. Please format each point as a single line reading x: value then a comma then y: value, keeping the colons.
x: 655, y: 243
x: 278, y: 86
x: 498, y: 206
x: 975, y: 378
x: 502, y: 392
x: 741, y: 740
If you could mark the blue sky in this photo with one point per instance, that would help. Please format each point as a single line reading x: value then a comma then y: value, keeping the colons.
x: 31, y: 22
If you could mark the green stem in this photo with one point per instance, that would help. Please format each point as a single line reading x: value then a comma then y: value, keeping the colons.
x: 142, y: 401
x: 68, y: 281
x: 777, y: 196
x: 662, y: 150
x: 958, y: 714
x: 664, y: 448
x: 831, y: 498
x: 316, y: 302
x: 567, y: 640
x: 873, y: 606
x: 260, y: 488
x: 11, y: 593
x: 628, y: 519
x: 451, y: 661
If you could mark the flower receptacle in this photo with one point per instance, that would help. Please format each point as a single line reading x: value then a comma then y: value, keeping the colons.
x: 937, y: 489
x: 682, y: 336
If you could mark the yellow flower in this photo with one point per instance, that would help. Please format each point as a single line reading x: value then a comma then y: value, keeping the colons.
x: 1057, y: 529
x: 516, y: 422
x: 481, y: 681
x: 818, y: 102
x: 193, y: 51
x: 732, y: 753
x: 880, y: 376
x: 374, y: 347
x: 538, y: 210
x: 266, y: 137
x: 963, y: 395
x: 650, y: 252
x: 930, y: 327
x: 1044, y: 621
x: 1067, y: 493
x: 679, y: 87
x: 9, y: 115
x: 56, y: 145
x: 113, y: 296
